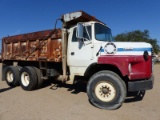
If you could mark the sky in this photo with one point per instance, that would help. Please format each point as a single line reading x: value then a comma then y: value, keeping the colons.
x: 23, y: 16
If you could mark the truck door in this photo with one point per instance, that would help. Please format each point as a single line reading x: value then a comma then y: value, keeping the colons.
x: 80, y: 52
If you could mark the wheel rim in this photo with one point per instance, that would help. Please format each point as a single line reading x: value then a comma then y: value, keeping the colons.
x: 25, y: 79
x: 9, y: 76
x: 105, y: 91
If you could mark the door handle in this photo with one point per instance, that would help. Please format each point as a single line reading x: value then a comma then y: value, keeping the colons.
x: 72, y: 53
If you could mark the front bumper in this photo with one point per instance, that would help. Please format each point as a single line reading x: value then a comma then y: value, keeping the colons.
x: 141, y: 85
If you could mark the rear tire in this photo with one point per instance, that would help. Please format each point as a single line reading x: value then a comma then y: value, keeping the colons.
x: 28, y: 78
x: 12, y: 76
x: 106, y: 90
x: 39, y: 77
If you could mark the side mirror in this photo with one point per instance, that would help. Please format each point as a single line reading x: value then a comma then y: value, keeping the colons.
x: 79, y: 33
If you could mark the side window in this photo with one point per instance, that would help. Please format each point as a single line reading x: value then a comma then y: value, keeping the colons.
x: 74, y: 38
x: 87, y: 34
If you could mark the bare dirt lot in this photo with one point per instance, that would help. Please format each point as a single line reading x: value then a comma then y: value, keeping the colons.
x: 71, y: 103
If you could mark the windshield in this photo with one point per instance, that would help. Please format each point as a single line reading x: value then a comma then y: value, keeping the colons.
x: 102, y: 32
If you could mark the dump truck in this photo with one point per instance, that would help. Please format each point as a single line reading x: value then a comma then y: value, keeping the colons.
x: 83, y: 49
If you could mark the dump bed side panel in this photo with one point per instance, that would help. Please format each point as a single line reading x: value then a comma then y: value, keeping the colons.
x: 35, y: 46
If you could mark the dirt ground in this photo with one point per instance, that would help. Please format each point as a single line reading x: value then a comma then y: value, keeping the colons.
x: 71, y: 103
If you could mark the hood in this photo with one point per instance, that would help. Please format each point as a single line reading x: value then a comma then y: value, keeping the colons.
x: 125, y: 48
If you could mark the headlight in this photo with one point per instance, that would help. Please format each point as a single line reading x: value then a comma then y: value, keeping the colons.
x: 145, y: 55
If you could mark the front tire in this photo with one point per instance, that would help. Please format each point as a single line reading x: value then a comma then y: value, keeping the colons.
x: 106, y: 90
x: 28, y: 78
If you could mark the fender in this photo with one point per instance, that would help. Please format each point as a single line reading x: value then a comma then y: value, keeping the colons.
x: 140, y: 68
x: 95, y: 67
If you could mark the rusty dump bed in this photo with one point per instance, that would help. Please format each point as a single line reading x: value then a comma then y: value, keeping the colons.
x: 42, y: 45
